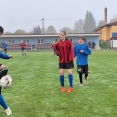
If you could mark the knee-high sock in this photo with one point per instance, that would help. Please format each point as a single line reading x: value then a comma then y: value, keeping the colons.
x: 23, y: 53
x: 62, y: 80
x: 3, y: 103
x: 70, y: 80
x: 80, y: 77
x: 86, y: 75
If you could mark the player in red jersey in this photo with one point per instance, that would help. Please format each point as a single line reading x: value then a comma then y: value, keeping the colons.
x: 23, y: 45
x: 64, y: 49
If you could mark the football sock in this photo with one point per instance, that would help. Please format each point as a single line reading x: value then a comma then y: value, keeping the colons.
x: 80, y: 78
x: 2, y: 102
x: 62, y: 80
x: 23, y: 53
x: 70, y: 80
x: 86, y: 75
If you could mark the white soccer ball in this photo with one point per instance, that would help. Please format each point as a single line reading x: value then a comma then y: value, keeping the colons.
x: 6, y: 81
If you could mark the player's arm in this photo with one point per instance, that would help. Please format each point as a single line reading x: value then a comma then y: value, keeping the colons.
x: 75, y: 52
x: 56, y: 49
x: 5, y: 56
x: 87, y: 51
x: 71, y: 50
x: 2, y: 66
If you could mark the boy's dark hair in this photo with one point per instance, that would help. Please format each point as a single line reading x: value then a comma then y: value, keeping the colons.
x: 82, y: 37
x: 1, y: 29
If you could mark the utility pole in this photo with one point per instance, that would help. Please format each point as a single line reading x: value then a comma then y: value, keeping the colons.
x: 42, y: 24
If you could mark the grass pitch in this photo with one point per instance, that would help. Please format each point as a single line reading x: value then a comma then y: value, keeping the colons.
x: 36, y: 89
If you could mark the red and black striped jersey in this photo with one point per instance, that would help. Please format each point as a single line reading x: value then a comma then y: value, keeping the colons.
x: 64, y: 50
x: 22, y: 44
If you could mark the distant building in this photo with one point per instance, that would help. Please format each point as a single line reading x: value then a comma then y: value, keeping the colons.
x: 44, y: 41
x: 107, y: 30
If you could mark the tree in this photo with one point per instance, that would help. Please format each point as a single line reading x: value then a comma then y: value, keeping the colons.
x: 51, y: 30
x: 7, y: 33
x: 66, y: 29
x: 114, y: 18
x: 90, y: 23
x: 101, y: 23
x: 36, y: 30
x: 20, y: 31
x: 78, y: 26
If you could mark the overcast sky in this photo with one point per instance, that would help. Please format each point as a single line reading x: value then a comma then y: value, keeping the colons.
x: 25, y: 14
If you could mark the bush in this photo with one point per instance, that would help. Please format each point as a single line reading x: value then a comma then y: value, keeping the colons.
x: 105, y: 45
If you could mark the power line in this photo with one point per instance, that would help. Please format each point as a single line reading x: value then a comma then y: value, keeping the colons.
x: 49, y: 19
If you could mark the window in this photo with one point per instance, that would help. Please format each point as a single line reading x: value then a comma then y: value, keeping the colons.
x: 40, y: 41
x: 26, y: 41
x: 11, y: 41
x: 54, y: 40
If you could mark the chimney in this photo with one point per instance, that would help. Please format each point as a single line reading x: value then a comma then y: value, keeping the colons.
x: 105, y: 15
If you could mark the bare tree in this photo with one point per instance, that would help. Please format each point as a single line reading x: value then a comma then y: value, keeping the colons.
x: 66, y: 29
x: 114, y: 18
x: 78, y: 26
x: 51, y: 30
x: 101, y: 23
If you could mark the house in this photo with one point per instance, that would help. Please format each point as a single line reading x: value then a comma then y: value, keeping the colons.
x: 114, y: 40
x: 106, y: 30
x: 44, y: 41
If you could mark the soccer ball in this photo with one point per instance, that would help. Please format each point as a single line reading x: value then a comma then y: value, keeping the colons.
x: 6, y: 81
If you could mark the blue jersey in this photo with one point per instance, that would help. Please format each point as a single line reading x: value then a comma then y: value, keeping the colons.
x: 5, y: 46
x: 4, y: 56
x: 82, y: 58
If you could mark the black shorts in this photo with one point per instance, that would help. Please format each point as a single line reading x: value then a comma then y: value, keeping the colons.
x: 3, y: 73
x: 83, y: 69
x: 22, y: 48
x: 5, y: 50
x: 69, y: 65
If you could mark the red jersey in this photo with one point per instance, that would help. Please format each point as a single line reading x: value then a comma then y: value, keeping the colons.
x: 22, y: 44
x: 64, y: 50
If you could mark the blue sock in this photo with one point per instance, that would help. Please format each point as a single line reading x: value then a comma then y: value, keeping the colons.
x: 62, y: 80
x: 2, y: 102
x: 70, y: 80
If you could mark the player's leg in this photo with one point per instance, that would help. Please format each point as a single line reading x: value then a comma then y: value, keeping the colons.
x: 80, y: 72
x: 69, y: 67
x: 61, y: 68
x: 2, y: 101
x: 86, y: 71
x: 24, y: 52
x: 6, y: 51
x: 80, y: 78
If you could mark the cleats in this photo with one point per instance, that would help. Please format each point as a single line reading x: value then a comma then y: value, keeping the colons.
x: 8, y: 111
x: 81, y: 84
x: 86, y: 80
x: 63, y: 89
x: 69, y: 90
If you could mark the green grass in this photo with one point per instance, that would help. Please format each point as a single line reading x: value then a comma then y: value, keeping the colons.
x: 36, y: 89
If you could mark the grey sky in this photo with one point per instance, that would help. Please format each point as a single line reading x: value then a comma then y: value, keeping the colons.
x: 24, y: 14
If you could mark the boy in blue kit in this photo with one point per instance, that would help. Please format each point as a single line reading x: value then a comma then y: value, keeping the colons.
x: 81, y: 52
x: 5, y: 47
x: 3, y: 72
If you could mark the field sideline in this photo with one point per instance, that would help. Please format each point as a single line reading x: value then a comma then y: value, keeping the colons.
x: 36, y: 89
